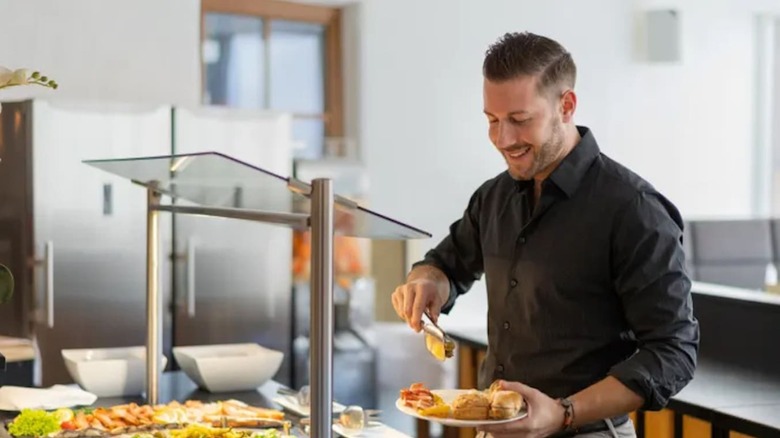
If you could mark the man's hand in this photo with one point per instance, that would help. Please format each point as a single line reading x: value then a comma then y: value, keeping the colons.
x: 426, y: 288
x: 545, y: 415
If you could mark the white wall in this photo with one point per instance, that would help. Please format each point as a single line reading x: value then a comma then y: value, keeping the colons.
x: 685, y: 127
x: 135, y: 51
x: 776, y: 124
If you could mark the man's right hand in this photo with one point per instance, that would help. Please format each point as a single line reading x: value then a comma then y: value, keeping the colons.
x: 426, y: 288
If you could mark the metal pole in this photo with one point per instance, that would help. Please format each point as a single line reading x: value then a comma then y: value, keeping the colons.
x: 153, y: 298
x: 321, y: 373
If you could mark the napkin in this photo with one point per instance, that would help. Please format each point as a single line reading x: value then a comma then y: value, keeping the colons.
x: 376, y: 430
x: 16, y: 398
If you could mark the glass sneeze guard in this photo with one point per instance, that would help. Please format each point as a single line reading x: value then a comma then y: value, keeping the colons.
x: 211, y: 179
x: 219, y: 185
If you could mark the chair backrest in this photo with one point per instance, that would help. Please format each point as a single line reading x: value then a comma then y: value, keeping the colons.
x: 732, y: 252
x: 688, y: 249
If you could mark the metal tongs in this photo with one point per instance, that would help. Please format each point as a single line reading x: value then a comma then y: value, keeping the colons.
x: 438, y: 343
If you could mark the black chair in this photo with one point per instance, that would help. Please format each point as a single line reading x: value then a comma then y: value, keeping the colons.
x: 732, y: 252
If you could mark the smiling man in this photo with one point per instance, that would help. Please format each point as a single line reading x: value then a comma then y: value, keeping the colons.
x: 589, y: 305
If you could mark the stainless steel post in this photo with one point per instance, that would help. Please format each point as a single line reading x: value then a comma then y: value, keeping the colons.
x: 321, y: 374
x: 153, y: 298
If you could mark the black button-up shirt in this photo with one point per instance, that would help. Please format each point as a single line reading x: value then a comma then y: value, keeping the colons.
x: 588, y: 283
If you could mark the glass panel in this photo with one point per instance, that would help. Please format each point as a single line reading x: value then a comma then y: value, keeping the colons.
x: 234, y: 54
x: 297, y: 64
x: 309, y: 136
x: 216, y: 180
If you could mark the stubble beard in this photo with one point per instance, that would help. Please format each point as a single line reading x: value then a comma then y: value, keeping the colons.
x: 545, y: 155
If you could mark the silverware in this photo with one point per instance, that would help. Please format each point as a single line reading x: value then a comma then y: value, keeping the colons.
x: 438, y: 343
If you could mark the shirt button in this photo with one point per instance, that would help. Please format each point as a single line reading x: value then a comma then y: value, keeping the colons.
x: 506, y: 325
x: 522, y: 239
x: 513, y: 282
x: 500, y: 368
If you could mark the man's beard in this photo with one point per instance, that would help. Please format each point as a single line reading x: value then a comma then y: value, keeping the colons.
x: 545, y: 155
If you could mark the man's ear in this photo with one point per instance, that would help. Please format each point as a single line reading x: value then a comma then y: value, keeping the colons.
x: 568, y: 105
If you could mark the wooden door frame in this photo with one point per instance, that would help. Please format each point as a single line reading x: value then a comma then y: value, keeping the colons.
x: 329, y: 17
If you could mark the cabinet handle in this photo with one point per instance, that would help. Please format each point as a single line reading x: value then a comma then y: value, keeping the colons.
x: 191, y: 246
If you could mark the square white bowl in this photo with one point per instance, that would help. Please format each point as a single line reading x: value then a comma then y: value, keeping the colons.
x: 109, y: 372
x: 228, y: 367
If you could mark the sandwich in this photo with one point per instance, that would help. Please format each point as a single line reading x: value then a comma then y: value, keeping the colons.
x: 504, y: 404
x: 471, y: 406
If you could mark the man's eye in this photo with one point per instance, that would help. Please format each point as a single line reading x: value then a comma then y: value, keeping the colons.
x: 520, y: 122
x: 492, y: 121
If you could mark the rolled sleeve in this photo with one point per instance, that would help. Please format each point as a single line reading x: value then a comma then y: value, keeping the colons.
x: 649, y: 274
x: 459, y: 255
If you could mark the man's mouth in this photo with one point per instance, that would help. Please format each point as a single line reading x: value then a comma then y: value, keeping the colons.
x: 518, y: 153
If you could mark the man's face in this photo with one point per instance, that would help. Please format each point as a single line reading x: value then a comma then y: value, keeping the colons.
x: 525, y: 126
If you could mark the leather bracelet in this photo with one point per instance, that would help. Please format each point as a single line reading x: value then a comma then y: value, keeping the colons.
x: 568, y: 413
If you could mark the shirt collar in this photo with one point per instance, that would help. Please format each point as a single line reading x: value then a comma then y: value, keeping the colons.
x: 570, y: 172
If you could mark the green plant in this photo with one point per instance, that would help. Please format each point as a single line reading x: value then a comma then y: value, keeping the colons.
x: 23, y: 76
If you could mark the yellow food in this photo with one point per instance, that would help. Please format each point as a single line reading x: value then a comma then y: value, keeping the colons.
x: 436, y: 347
x: 64, y: 414
x: 171, y: 416
x: 440, y: 410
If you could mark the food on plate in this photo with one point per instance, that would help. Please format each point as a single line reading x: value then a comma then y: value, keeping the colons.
x: 491, y: 404
x: 495, y: 386
x: 417, y: 396
x: 505, y: 404
x: 34, y: 423
x: 200, y: 431
x: 471, y: 406
x: 130, y: 419
x: 442, y: 410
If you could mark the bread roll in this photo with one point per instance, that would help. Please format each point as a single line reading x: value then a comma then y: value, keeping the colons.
x: 505, y: 404
x: 495, y: 386
x: 471, y: 406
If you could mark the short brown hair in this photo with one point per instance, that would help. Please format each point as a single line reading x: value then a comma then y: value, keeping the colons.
x: 524, y: 53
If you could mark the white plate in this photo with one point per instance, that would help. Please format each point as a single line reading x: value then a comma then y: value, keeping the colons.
x: 292, y: 405
x: 449, y: 395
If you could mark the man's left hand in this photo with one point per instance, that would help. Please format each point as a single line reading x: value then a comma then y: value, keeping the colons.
x: 545, y: 415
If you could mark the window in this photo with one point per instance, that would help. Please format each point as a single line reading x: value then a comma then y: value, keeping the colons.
x: 276, y: 55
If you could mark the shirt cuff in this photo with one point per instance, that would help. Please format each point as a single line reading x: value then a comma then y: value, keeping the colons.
x: 655, y: 394
x: 641, y: 383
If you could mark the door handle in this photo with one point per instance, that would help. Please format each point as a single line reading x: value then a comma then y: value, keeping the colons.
x: 47, y: 262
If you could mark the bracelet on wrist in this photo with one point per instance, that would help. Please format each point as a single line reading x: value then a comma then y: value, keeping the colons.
x: 568, y: 413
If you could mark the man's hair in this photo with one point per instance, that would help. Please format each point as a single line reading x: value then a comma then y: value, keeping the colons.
x: 526, y: 54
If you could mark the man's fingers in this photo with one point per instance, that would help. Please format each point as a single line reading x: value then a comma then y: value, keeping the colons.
x: 528, y: 393
x: 408, y: 306
x: 434, y: 307
x: 420, y: 304
x: 397, y: 299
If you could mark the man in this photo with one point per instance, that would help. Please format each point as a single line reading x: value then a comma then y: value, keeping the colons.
x: 589, y: 306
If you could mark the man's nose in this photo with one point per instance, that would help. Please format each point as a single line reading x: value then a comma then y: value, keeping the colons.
x: 506, y: 135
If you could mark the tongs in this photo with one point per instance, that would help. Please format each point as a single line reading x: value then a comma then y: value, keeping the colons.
x: 438, y: 343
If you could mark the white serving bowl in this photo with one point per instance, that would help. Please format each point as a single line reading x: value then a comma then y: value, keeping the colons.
x: 228, y: 367
x: 109, y: 372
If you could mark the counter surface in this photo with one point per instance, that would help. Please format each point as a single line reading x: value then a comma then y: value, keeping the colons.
x: 177, y: 386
